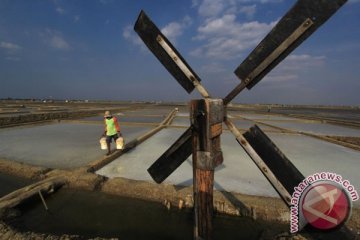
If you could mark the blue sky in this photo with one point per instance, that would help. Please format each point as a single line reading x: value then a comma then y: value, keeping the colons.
x: 77, y: 49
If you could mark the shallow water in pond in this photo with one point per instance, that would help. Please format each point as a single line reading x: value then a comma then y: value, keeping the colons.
x: 58, y: 145
x: 9, y: 183
x: 92, y: 214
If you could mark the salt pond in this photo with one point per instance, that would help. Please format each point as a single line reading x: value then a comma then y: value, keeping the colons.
x: 317, y: 128
x: 60, y: 145
x: 128, y: 218
x: 238, y: 173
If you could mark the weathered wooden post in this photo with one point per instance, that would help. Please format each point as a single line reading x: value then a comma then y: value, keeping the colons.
x: 206, y: 118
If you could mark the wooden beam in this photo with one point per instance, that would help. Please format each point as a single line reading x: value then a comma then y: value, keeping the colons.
x: 45, y: 186
x: 206, y: 118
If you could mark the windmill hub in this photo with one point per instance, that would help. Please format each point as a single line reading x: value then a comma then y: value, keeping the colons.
x: 206, y: 120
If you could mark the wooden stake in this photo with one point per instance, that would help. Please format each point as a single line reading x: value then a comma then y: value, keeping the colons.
x: 43, y: 200
x: 20, y: 195
x: 203, y: 191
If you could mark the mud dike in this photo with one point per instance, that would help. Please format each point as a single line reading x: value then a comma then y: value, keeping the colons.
x: 52, y: 152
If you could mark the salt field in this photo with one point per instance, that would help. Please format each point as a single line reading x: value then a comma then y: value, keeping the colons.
x: 73, y: 144
x: 58, y: 145
x: 317, y: 128
x: 128, y: 118
x: 260, y: 116
x: 238, y: 173
x: 141, y: 120
x: 181, y: 121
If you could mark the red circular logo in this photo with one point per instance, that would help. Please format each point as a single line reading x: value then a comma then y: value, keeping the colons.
x: 326, y: 206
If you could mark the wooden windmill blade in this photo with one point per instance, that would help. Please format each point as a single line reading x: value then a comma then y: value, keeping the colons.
x: 302, y: 20
x: 284, y: 170
x: 172, y: 158
x: 275, y: 166
x: 167, y: 54
x: 171, y: 59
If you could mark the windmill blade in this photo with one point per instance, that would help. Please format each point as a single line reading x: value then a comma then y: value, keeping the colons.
x: 172, y: 158
x: 166, y: 53
x: 278, y: 163
x: 303, y: 19
x: 276, y: 167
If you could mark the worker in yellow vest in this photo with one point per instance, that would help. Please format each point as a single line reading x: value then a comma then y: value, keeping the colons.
x: 112, y: 130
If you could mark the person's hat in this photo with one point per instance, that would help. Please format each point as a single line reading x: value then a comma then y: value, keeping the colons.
x: 107, y: 114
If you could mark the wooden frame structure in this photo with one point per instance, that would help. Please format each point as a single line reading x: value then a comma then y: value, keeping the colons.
x: 202, y: 138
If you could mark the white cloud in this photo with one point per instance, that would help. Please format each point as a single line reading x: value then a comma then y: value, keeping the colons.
x: 271, y: 1
x: 76, y: 18
x: 226, y: 39
x: 12, y: 51
x: 172, y: 31
x: 221, y: 35
x: 195, y: 3
x: 213, y: 68
x: 214, y: 8
x: 211, y: 8
x: 285, y: 77
x: 10, y: 46
x: 175, y: 29
x: 105, y: 1
x: 59, y: 42
x: 303, y: 61
x: 55, y: 39
x: 12, y: 58
x: 291, y: 68
x: 130, y: 35
x: 60, y: 10
x: 249, y: 11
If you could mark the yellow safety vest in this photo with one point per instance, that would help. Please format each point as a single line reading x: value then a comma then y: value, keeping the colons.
x: 110, y: 127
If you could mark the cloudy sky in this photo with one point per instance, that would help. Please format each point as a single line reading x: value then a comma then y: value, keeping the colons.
x: 68, y: 49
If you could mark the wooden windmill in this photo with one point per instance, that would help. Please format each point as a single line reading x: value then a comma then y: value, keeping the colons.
x: 202, y: 138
